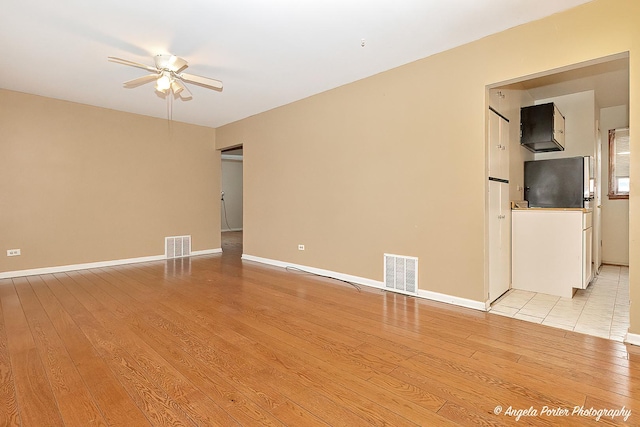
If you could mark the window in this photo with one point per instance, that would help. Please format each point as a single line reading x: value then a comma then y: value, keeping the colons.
x: 619, y: 163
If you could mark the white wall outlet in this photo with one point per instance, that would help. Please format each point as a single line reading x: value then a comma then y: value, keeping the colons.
x: 13, y: 252
x: 301, y: 247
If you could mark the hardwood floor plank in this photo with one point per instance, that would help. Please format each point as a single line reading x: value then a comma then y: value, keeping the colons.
x: 294, y: 415
x: 182, y: 388
x: 37, y: 404
x: 114, y: 403
x: 75, y: 403
x: 191, y: 400
x: 9, y: 414
x: 199, y: 359
x: 465, y: 416
x: 149, y: 395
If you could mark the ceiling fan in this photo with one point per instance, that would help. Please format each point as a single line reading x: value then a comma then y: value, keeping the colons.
x: 168, y: 76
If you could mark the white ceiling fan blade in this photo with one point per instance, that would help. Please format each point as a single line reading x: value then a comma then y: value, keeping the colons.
x: 131, y: 64
x: 201, y: 81
x: 141, y: 80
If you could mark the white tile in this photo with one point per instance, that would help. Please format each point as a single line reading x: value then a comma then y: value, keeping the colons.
x: 569, y: 305
x: 515, y: 302
x: 599, y: 332
x: 568, y: 327
x: 554, y: 320
x: 600, y: 310
x: 504, y: 310
x: 568, y: 315
x: 500, y: 313
x: 545, y: 298
x: 528, y: 318
x: 596, y: 318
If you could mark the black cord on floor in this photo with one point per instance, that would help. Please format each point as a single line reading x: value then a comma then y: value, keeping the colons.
x: 224, y: 206
x: 288, y: 268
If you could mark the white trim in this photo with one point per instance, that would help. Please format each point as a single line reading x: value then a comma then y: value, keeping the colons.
x: 206, y: 252
x: 633, y: 339
x: 88, y: 265
x: 450, y: 299
x: 333, y: 274
x: 234, y: 157
x: 230, y: 229
x: 435, y: 296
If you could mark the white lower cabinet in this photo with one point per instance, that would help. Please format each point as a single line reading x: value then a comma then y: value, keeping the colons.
x: 551, y: 250
x: 499, y: 239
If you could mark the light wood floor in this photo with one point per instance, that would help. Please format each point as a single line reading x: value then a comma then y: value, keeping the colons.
x: 213, y: 340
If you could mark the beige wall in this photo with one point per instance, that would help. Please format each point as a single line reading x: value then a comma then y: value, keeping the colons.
x: 396, y: 162
x: 82, y: 184
x: 579, y: 113
x: 615, y: 213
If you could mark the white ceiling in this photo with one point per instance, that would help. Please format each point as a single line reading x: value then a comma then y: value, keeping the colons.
x: 267, y: 53
x: 608, y: 79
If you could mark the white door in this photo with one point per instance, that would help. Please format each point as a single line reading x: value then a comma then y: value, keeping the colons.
x: 597, y: 204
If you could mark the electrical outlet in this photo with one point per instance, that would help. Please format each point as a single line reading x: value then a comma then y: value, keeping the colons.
x: 301, y: 247
x: 13, y: 252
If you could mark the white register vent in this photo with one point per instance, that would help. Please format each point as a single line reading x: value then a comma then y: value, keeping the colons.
x: 177, y: 246
x: 401, y: 273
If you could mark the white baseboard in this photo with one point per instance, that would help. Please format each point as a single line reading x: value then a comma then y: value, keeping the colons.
x: 85, y: 266
x: 206, y: 252
x: 434, y: 296
x: 633, y: 339
x: 333, y: 274
x: 450, y: 299
x: 231, y: 229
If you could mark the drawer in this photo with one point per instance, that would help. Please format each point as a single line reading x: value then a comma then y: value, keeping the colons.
x: 587, y: 220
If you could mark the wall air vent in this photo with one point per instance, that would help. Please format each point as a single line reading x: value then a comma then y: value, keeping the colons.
x: 177, y: 246
x: 401, y: 274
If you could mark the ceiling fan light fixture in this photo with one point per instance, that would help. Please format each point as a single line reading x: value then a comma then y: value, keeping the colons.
x: 177, y: 86
x: 163, y: 83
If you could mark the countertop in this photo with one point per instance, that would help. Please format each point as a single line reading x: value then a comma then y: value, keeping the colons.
x: 555, y: 209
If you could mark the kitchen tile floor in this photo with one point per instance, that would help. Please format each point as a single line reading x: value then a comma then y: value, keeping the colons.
x: 601, y: 310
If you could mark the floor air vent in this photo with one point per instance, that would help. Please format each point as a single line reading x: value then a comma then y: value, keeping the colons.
x: 177, y: 246
x: 401, y: 273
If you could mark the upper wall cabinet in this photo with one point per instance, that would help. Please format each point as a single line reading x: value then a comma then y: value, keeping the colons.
x: 498, y: 146
x: 542, y: 128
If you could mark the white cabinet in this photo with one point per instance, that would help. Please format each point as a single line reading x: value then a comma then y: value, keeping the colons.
x: 498, y: 146
x: 499, y: 211
x: 551, y: 250
x: 499, y: 239
x: 558, y: 126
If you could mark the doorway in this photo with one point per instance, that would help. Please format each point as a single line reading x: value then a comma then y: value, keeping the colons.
x: 231, y: 200
x: 594, y: 96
